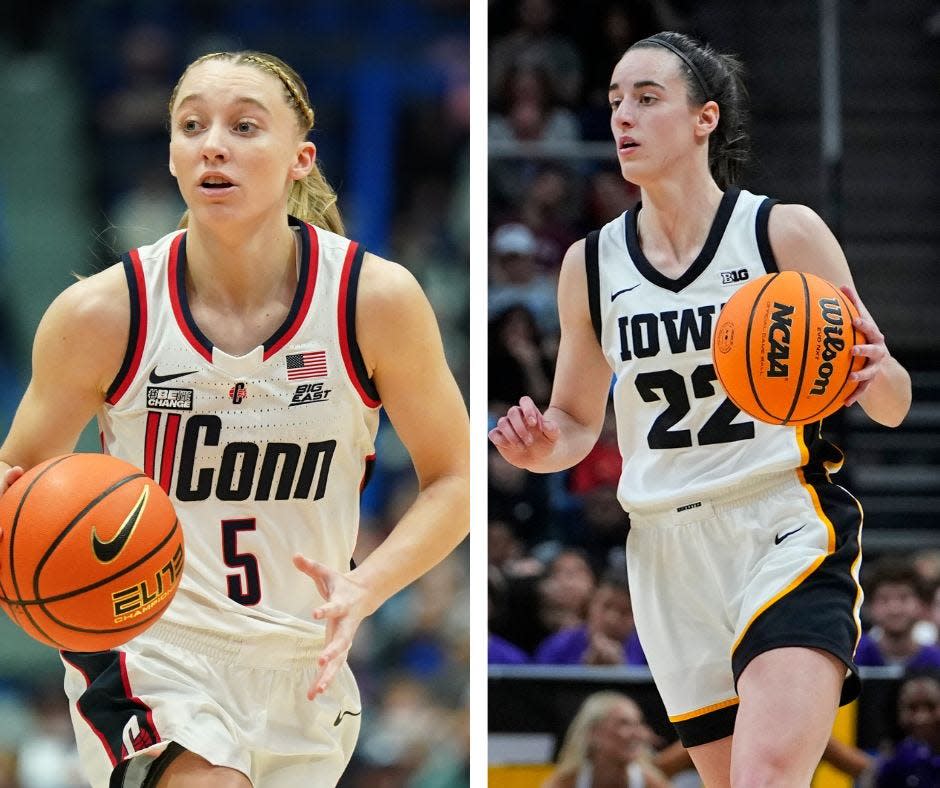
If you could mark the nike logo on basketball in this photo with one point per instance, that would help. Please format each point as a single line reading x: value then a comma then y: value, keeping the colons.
x: 108, y: 551
x: 342, y: 714
x: 625, y: 290
x: 158, y: 379
x: 778, y: 539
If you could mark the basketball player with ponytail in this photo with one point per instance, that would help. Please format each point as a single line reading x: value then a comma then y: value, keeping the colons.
x: 743, y: 556
x: 242, y: 361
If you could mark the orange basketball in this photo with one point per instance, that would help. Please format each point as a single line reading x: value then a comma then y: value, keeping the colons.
x: 91, y: 553
x: 783, y: 348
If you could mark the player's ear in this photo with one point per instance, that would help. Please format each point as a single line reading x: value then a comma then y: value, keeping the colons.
x: 303, y: 163
x: 707, y: 119
x: 172, y: 167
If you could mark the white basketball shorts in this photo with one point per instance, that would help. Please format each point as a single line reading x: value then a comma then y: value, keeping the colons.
x: 237, y: 703
x: 773, y: 563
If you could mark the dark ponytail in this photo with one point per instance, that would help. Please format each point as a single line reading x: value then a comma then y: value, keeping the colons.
x: 713, y: 76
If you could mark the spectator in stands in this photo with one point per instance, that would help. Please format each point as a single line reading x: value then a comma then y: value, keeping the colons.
x: 519, y: 499
x: 608, y: 637
x: 915, y: 762
x: 598, y: 523
x: 896, y: 602
x: 499, y: 650
x: 528, y: 110
x: 567, y: 590
x: 502, y: 545
x: 515, y: 277
x: 607, y: 744
x: 535, y: 42
x: 518, y: 362
x: 539, y: 601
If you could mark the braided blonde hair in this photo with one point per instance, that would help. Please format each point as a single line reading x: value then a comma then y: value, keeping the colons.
x: 311, y: 199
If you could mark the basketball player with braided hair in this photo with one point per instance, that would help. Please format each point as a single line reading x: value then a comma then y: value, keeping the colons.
x: 743, y: 555
x: 242, y: 361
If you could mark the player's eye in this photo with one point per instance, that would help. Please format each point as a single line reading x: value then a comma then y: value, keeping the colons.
x: 245, y: 127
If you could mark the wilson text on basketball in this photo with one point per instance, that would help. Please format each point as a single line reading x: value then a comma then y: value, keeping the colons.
x: 832, y: 343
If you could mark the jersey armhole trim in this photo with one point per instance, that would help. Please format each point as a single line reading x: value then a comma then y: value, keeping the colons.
x: 137, y: 335
x: 352, y: 356
x: 592, y: 269
x: 763, y: 236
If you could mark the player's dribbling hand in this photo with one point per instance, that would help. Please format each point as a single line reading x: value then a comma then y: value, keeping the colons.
x: 346, y: 606
x: 524, y: 434
x: 875, y: 351
x: 6, y: 479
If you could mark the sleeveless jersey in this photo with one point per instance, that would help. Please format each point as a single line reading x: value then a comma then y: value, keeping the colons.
x: 680, y: 437
x: 263, y: 455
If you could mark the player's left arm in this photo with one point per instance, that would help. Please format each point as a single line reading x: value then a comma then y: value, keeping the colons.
x: 801, y: 241
x: 403, y: 352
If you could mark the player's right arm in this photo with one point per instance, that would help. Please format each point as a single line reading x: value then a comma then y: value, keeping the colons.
x: 77, y: 352
x: 568, y: 429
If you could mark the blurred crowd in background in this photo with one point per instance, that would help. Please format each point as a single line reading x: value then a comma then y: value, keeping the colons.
x: 389, y: 83
x: 558, y: 590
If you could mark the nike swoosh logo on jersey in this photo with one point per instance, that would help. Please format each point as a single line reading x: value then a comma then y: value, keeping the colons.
x: 625, y: 290
x: 158, y: 379
x: 342, y: 714
x: 106, y: 552
x: 778, y: 539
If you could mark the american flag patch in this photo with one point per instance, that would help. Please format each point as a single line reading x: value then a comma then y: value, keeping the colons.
x: 306, y: 365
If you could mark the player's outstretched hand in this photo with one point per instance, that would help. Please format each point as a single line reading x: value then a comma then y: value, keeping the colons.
x: 346, y: 606
x: 875, y: 350
x: 524, y: 435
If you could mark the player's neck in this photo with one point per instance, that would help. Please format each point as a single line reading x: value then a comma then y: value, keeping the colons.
x: 240, y: 271
x: 676, y: 217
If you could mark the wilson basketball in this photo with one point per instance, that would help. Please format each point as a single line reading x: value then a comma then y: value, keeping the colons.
x: 91, y: 553
x: 783, y: 348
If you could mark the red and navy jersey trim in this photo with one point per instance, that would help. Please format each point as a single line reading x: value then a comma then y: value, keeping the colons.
x: 137, y: 289
x: 303, y: 296
x: 306, y: 283
x: 176, y: 274
x: 108, y: 703
x: 367, y: 471
x: 352, y: 357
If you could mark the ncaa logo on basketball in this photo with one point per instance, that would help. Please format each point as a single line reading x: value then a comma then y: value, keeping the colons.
x: 778, y: 339
x: 730, y: 277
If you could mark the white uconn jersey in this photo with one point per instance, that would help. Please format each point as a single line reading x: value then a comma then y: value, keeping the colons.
x: 681, y: 438
x: 263, y: 455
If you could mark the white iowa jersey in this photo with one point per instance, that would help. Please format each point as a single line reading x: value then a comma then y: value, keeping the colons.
x: 263, y: 455
x: 681, y: 438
